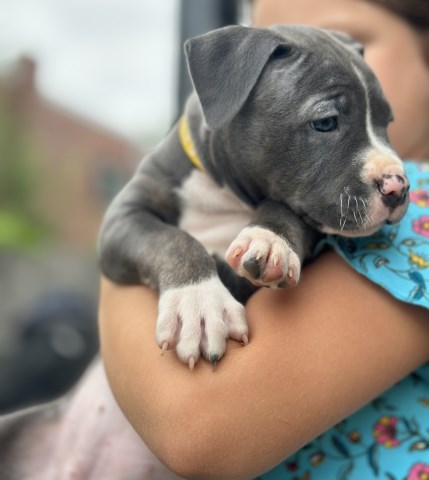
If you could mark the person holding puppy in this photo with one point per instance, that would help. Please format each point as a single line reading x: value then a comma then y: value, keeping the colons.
x: 321, y: 351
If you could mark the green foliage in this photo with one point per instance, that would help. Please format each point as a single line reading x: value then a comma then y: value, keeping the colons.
x: 18, y: 231
x: 19, y: 226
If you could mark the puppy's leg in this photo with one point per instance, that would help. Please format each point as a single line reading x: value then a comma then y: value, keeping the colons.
x: 140, y: 243
x: 270, y: 251
x: 240, y: 288
x: 82, y: 436
x: 27, y: 439
x: 199, y: 318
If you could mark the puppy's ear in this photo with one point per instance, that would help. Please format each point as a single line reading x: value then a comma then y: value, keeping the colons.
x: 224, y: 66
x: 348, y: 41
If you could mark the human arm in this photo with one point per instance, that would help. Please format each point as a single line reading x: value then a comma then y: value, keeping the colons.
x: 316, y: 354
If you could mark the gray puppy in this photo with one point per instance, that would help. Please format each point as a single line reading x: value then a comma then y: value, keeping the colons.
x: 283, y: 138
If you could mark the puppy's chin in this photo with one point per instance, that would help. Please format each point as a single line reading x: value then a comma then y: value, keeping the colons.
x: 397, y: 214
x: 363, y: 232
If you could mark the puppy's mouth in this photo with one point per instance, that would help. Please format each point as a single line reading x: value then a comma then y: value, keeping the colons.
x: 359, y: 216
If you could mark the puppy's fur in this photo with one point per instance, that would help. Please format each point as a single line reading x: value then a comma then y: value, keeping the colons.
x: 283, y: 138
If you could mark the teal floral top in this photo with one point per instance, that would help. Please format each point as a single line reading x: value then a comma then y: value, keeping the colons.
x: 389, y: 438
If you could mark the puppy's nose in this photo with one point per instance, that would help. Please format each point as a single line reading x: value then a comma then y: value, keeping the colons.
x: 393, y: 188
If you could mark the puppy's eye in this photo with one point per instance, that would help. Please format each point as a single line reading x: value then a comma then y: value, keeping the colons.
x: 327, y: 124
x: 281, y: 51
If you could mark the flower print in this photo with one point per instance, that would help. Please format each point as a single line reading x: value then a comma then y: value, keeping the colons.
x: 420, y: 198
x: 419, y: 471
x: 317, y: 458
x: 354, y: 436
x: 420, y: 289
x: 417, y: 259
x: 292, y: 466
x: 419, y: 445
x: 385, y: 432
x: 306, y: 476
x: 421, y: 225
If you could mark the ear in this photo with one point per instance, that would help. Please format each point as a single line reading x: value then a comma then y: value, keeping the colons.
x: 225, y: 65
x: 348, y: 41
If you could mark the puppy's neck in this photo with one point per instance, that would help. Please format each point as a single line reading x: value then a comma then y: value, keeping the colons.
x: 211, y: 150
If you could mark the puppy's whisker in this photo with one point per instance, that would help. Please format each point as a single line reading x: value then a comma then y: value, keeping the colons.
x: 341, y: 206
x: 369, y: 219
x: 343, y: 224
x: 348, y: 199
x: 356, y: 211
x: 359, y: 209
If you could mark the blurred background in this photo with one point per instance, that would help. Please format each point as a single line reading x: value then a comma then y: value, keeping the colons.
x: 86, y: 87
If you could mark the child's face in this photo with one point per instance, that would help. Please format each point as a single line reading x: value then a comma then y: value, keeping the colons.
x: 397, y: 53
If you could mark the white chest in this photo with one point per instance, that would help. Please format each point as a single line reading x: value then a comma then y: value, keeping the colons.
x: 213, y: 215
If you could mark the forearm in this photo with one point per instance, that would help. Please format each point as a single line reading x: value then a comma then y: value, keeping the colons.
x: 316, y: 354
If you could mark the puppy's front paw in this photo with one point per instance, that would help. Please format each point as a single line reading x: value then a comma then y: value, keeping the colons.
x: 198, y: 319
x: 264, y: 258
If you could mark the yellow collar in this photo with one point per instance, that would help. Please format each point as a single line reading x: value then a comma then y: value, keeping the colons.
x: 187, y: 143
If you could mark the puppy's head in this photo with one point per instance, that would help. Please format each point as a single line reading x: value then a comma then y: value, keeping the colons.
x: 305, y: 121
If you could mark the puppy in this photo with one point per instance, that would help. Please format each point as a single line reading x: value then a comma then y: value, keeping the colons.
x: 283, y: 139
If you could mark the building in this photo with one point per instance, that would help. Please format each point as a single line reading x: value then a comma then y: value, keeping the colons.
x: 76, y: 166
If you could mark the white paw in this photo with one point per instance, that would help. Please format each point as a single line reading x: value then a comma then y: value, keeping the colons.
x: 264, y: 258
x: 198, y: 319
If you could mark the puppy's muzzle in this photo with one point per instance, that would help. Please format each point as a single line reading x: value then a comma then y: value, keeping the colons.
x: 385, y: 202
x: 390, y: 186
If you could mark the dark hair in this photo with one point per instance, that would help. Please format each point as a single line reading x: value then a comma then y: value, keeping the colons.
x: 416, y: 12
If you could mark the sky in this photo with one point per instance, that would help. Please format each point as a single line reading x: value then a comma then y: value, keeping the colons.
x: 112, y: 61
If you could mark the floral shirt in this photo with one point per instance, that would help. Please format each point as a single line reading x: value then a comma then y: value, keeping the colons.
x: 389, y: 438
